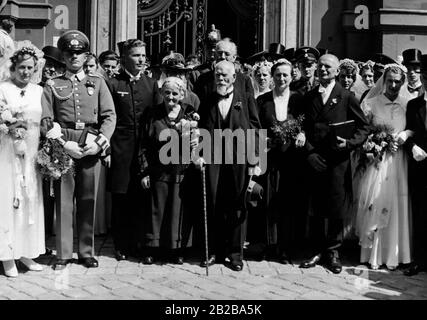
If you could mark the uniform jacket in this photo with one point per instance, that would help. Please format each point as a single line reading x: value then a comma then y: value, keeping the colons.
x: 130, y: 100
x: 332, y: 189
x: 85, y: 99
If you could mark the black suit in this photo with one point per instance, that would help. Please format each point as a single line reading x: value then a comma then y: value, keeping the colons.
x: 331, y: 190
x: 283, y: 202
x: 416, y: 122
x: 131, y: 99
x: 227, y: 183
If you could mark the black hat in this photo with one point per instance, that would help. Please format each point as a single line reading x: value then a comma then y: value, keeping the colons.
x: 275, y: 51
x: 73, y: 40
x: 411, y: 56
x: 423, y: 62
x: 54, y: 54
x: 121, y: 46
x: 108, y: 55
x: 290, y: 54
x: 307, y: 54
x: 381, y: 60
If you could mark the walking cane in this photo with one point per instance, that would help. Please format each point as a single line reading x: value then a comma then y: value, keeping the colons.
x: 205, y: 213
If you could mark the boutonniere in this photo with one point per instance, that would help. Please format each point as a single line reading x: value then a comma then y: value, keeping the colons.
x: 90, y: 85
x: 238, y: 105
x: 334, y: 101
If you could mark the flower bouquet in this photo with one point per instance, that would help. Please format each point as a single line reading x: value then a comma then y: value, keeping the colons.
x: 52, y: 161
x: 379, y: 143
x: 188, y: 128
x: 287, y: 131
x: 13, y: 123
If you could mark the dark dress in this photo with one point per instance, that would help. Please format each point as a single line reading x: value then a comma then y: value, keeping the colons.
x: 282, y: 182
x: 167, y: 225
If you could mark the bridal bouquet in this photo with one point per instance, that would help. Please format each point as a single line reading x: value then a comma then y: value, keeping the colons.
x: 52, y: 161
x: 13, y: 123
x: 288, y: 130
x: 379, y: 143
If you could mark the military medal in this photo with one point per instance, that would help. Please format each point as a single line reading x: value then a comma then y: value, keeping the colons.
x: 90, y: 91
x: 90, y: 85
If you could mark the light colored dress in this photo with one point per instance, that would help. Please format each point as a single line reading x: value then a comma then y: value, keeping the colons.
x: 22, y: 228
x: 383, y: 209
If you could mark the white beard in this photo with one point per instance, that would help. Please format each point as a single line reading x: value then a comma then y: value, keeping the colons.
x: 222, y: 90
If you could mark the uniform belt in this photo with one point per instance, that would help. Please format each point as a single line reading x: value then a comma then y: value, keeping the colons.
x: 78, y: 125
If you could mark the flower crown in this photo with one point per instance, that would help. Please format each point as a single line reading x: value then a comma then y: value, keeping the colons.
x: 261, y: 64
x: 395, y: 65
x: 23, y: 52
x: 349, y: 64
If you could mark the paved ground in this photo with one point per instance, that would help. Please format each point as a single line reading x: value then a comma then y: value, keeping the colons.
x: 258, y: 281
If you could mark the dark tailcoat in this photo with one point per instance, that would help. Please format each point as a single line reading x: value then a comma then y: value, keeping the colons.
x: 130, y: 100
x: 332, y: 189
x: 227, y: 183
x: 416, y: 122
x: 283, y: 181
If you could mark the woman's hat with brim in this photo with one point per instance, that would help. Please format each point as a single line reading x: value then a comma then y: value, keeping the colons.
x: 53, y: 53
x: 275, y: 51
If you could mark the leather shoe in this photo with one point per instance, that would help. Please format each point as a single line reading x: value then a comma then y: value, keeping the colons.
x: 211, y: 261
x: 311, y: 263
x: 60, y: 264
x: 148, y: 260
x: 334, y: 263
x: 88, y: 262
x: 413, y: 270
x: 119, y: 255
x: 236, y: 265
x: 48, y: 252
x: 178, y: 260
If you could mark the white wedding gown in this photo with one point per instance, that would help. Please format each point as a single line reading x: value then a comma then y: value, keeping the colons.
x: 21, y: 229
x: 383, y: 205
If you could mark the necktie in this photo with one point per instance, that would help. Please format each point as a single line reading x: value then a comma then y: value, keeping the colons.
x: 135, y: 78
x: 412, y: 90
x: 225, y: 96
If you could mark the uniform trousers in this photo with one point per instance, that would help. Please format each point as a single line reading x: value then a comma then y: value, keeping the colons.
x: 78, y: 189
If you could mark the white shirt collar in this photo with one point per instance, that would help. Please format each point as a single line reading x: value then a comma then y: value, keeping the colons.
x: 132, y: 77
x: 425, y: 96
x: 80, y: 75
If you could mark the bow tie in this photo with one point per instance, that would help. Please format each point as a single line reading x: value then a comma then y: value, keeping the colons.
x: 225, y: 96
x: 412, y: 90
x: 322, y: 89
x: 134, y: 79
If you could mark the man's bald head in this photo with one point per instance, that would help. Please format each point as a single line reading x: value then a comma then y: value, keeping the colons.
x: 327, y: 68
x: 225, y: 75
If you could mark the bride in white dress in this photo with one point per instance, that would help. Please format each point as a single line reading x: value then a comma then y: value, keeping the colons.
x: 21, y: 201
x: 383, y: 205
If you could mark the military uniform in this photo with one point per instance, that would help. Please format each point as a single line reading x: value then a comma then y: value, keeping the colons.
x: 78, y: 102
x: 307, y: 55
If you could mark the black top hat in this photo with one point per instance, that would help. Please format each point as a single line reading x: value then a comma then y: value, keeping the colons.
x: 290, y: 54
x: 423, y: 63
x: 275, y: 51
x: 307, y: 54
x: 411, y: 56
x: 381, y: 60
x: 54, y: 54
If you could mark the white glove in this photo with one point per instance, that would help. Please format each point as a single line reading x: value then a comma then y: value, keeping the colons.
x: 300, y: 140
x: 145, y: 182
x: 403, y: 136
x: 55, y: 132
x: 418, y: 153
x: 255, y: 171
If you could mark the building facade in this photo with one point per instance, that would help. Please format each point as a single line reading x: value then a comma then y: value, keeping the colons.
x: 349, y: 28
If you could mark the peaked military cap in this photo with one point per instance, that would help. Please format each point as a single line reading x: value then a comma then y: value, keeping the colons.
x: 411, y: 56
x: 54, y: 54
x: 73, y: 40
x: 307, y: 54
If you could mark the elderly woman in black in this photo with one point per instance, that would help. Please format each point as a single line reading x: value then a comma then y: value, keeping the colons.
x: 283, y: 179
x: 167, y: 225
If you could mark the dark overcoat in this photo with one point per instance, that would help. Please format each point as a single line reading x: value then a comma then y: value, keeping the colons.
x: 131, y: 100
x: 332, y: 189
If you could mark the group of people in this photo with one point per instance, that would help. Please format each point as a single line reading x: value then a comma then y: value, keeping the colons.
x: 124, y: 113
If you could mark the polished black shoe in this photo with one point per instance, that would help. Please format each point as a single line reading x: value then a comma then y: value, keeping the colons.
x: 413, y: 270
x: 60, y: 264
x: 178, y: 260
x: 119, y: 255
x: 88, y: 262
x: 236, y: 265
x: 334, y: 262
x: 211, y: 261
x: 48, y: 252
x: 148, y: 260
x: 311, y: 263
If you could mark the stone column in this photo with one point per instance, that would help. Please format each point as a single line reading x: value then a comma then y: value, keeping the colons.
x: 100, y: 30
x: 272, y: 21
x: 289, y: 23
x: 125, y: 20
